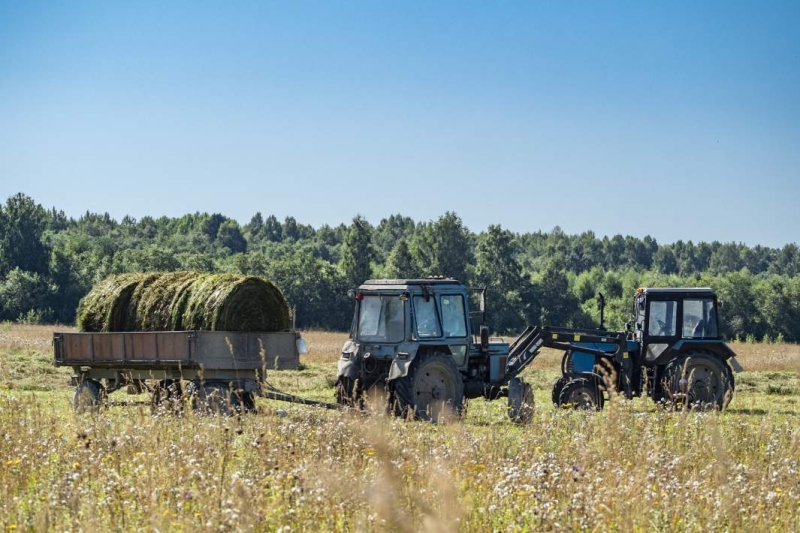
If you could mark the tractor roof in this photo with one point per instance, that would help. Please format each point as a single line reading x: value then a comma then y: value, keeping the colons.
x: 400, y: 284
x: 675, y: 290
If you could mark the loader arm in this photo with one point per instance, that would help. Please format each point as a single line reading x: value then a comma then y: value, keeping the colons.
x: 526, y: 347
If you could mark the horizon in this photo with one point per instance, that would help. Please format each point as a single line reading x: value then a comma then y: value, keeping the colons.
x: 374, y: 224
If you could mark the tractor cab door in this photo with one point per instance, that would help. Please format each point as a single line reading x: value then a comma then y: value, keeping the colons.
x: 660, y: 327
x: 700, y: 318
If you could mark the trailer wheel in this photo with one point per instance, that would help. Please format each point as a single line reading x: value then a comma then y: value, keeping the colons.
x: 89, y: 396
x: 167, y: 397
x: 699, y: 380
x: 520, y: 401
x: 581, y: 393
x: 433, y: 389
x: 217, y: 398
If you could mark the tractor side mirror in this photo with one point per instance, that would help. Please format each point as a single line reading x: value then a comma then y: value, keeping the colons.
x: 484, y: 339
x: 351, y: 293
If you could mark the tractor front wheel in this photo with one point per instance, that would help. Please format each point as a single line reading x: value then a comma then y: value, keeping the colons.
x: 581, y: 393
x: 520, y: 401
x: 557, y: 386
x: 347, y: 392
x: 433, y: 389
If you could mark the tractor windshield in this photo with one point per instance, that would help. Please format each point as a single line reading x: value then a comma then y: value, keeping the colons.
x: 381, y: 319
x: 699, y: 318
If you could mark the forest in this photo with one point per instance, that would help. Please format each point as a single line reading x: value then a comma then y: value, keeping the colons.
x: 49, y: 261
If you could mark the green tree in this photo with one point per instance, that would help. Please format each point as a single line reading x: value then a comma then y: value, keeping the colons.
x: 290, y: 231
x: 230, y: 236
x: 22, y: 223
x: 25, y: 294
x: 555, y: 304
x: 443, y: 248
x: 664, y: 261
x: 315, y: 288
x: 390, y: 231
x: 357, y: 253
x: 497, y: 269
x: 254, y: 230
x: 400, y: 262
x: 273, y: 230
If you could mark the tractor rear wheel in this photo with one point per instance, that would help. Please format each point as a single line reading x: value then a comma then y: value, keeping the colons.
x: 699, y: 380
x: 581, y: 393
x: 433, y: 389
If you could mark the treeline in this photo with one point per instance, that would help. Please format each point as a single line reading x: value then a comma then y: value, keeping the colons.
x: 48, y: 261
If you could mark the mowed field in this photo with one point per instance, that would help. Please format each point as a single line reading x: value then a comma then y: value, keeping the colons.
x: 631, y: 467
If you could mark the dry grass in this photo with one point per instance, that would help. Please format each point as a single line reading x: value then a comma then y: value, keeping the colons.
x: 768, y: 357
x: 631, y: 467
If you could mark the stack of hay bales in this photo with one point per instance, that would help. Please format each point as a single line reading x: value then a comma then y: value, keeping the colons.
x: 178, y: 301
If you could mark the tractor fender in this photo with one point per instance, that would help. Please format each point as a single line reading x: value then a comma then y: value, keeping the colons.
x: 348, y: 362
x: 406, y: 353
x: 718, y: 347
x: 348, y: 368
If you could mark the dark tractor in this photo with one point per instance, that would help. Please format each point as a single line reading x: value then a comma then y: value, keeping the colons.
x: 415, y: 339
x: 674, y: 353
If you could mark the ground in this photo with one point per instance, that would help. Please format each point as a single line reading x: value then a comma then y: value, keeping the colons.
x: 631, y: 467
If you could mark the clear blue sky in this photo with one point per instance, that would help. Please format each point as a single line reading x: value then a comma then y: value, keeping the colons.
x: 676, y: 119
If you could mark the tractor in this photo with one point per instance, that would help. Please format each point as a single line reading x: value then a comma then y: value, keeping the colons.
x: 418, y: 341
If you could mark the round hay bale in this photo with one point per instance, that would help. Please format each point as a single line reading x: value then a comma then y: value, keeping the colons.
x: 177, y: 301
x: 152, y: 301
x: 106, y: 306
x: 227, y: 302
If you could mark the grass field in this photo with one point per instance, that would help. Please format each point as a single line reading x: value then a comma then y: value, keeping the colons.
x: 631, y: 467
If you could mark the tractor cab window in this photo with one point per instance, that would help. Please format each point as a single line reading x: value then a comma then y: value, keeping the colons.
x: 662, y: 319
x: 427, y: 317
x: 638, y: 312
x: 381, y: 319
x: 454, y: 319
x: 699, y: 318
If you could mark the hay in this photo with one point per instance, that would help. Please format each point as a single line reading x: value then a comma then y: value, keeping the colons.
x: 105, y: 308
x: 178, y: 301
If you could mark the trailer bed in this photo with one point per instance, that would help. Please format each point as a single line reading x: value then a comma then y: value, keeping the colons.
x: 160, y: 350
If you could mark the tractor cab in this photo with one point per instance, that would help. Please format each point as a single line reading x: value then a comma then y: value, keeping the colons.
x: 667, y: 319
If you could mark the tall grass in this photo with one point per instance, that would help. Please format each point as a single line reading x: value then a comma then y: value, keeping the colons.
x: 631, y: 467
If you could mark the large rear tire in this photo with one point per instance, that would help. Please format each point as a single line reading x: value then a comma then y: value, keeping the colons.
x: 699, y: 380
x: 433, y: 389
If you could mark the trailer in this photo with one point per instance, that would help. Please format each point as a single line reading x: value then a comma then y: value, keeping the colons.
x: 215, y: 370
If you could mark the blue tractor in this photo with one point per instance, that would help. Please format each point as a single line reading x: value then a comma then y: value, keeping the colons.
x: 418, y: 341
